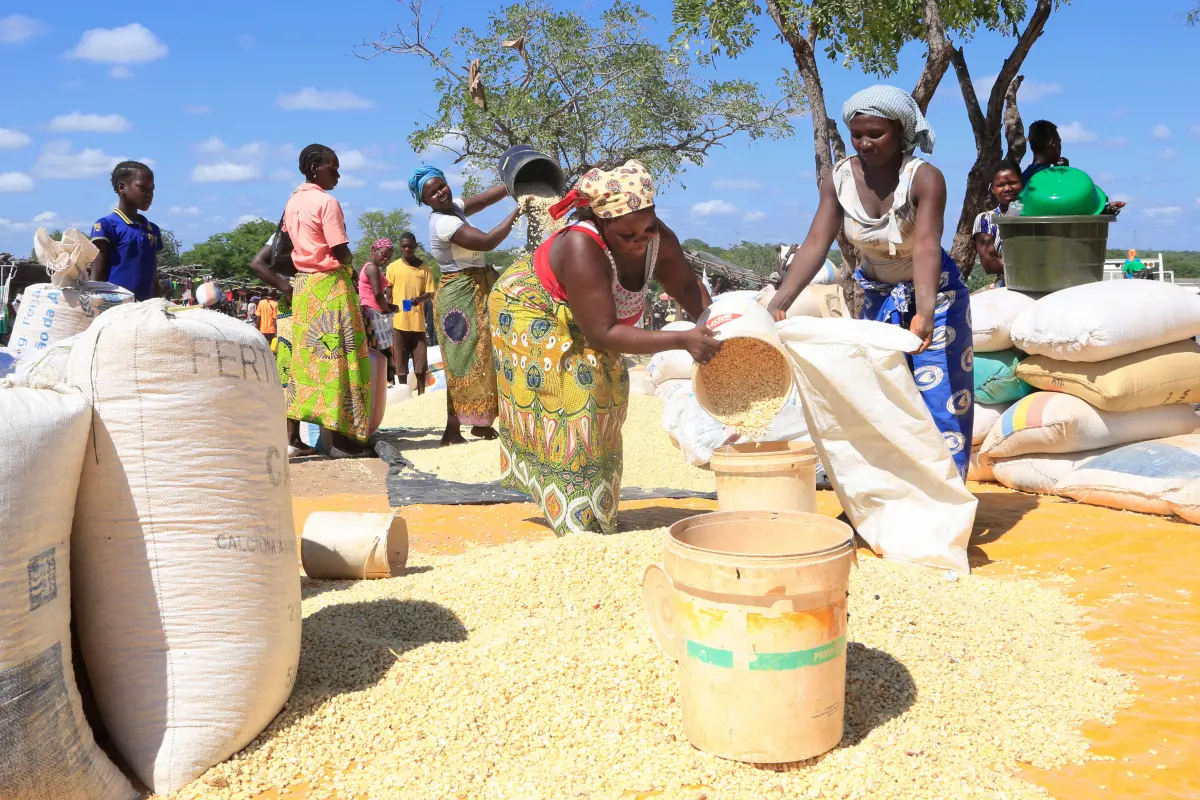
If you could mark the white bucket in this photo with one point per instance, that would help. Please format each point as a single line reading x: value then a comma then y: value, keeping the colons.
x: 741, y: 317
x: 345, y: 546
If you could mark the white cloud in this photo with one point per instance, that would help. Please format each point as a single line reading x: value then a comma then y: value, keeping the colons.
x: 57, y: 161
x: 1075, y: 133
x: 244, y: 218
x: 351, y: 182
x: 711, y: 207
x: 1115, y: 142
x: 310, y: 99
x: 736, y: 184
x: 357, y: 160
x: 13, y: 139
x: 394, y: 186
x: 45, y: 216
x: 197, y: 110
x: 131, y: 44
x: 13, y: 182
x: 77, y: 122
x: 1030, y: 91
x: 210, y: 146
x: 753, y: 216
x: 225, y: 172
x: 1161, y: 132
x: 16, y: 28
x: 1168, y: 153
x: 190, y: 211
x: 1163, y: 212
x: 120, y: 73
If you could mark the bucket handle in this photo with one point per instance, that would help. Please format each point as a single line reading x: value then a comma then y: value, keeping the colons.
x: 658, y: 595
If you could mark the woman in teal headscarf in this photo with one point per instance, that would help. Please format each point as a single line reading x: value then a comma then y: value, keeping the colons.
x: 460, y: 305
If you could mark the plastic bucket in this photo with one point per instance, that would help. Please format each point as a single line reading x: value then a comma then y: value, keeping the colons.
x: 344, y: 546
x: 773, y: 476
x: 732, y: 317
x: 522, y: 164
x: 1046, y: 254
x: 752, y: 604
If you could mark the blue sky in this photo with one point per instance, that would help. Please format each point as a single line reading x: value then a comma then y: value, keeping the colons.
x: 221, y: 102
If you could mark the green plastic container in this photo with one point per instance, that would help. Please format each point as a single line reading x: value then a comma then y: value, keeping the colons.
x: 1045, y: 254
x: 1062, y: 192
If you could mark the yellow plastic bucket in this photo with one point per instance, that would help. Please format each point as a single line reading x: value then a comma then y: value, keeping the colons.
x: 772, y: 476
x: 752, y: 605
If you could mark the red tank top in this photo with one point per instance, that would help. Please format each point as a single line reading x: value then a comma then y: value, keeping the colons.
x: 541, y: 267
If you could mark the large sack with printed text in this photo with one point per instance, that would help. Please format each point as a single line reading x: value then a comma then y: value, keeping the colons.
x: 186, y: 582
x: 48, y: 752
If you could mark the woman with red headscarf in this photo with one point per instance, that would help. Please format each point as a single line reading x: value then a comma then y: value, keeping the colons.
x: 561, y: 323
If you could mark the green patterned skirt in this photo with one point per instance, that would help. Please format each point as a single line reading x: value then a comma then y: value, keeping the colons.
x: 328, y: 370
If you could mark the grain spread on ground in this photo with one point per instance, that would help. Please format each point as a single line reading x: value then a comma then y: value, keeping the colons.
x: 527, y: 671
x: 651, y: 461
x: 747, y: 382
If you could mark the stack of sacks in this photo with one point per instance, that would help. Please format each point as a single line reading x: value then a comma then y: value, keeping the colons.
x: 1044, y: 436
x: 671, y: 370
x: 1120, y: 366
x: 996, y: 384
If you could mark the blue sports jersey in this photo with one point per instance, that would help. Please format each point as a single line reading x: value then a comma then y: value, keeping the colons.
x: 133, y: 247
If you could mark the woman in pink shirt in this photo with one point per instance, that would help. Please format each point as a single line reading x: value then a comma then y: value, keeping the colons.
x: 375, y: 298
x: 329, y: 379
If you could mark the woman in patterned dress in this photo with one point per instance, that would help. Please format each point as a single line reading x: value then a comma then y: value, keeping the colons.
x: 561, y: 322
x: 891, y: 205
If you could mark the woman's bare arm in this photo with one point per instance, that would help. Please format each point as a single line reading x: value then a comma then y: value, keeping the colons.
x: 812, y: 254
x: 929, y: 195
x: 477, y: 203
x: 472, y: 238
x: 261, y: 266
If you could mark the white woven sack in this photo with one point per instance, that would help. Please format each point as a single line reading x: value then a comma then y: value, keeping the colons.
x: 986, y: 417
x: 668, y: 390
x: 992, y: 315
x: 887, y: 461
x: 671, y: 365
x: 1108, y: 319
x: 188, y: 589
x: 1053, y: 422
x: 1156, y: 477
x: 48, y: 752
x: 1038, y: 473
x: 48, y: 313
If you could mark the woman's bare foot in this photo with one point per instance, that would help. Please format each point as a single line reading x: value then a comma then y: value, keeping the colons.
x: 452, y: 435
x: 484, y: 432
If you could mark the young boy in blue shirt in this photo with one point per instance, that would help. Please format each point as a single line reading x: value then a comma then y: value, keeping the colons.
x: 128, y: 242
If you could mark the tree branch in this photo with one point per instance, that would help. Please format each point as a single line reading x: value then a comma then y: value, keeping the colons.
x: 974, y: 113
x: 1012, y: 64
x: 937, y: 60
x: 1014, y: 128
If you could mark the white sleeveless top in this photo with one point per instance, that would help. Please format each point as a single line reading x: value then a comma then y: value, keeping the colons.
x: 885, y: 245
x: 628, y: 303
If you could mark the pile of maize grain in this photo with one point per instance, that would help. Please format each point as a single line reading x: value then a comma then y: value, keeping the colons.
x: 527, y: 671
x: 651, y: 461
x: 747, y: 382
x: 535, y: 202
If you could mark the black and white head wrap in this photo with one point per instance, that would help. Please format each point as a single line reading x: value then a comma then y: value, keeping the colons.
x: 889, y: 102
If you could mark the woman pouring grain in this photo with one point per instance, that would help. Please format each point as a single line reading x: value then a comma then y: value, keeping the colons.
x: 891, y: 205
x: 561, y: 322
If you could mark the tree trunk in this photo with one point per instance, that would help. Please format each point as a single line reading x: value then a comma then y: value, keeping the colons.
x: 988, y: 128
x: 827, y: 142
x: 1014, y: 128
x: 937, y: 60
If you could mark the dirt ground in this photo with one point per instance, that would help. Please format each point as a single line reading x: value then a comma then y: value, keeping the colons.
x: 1134, y: 574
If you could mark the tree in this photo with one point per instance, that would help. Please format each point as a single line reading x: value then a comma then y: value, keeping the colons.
x: 1193, y: 17
x: 590, y: 95
x: 380, y: 225
x: 762, y: 259
x: 169, y: 255
x: 870, y: 34
x: 228, y: 255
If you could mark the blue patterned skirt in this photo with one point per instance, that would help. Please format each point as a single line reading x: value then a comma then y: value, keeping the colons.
x: 945, y: 372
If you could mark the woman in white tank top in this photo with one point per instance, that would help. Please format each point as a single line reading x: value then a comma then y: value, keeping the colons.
x: 891, y: 205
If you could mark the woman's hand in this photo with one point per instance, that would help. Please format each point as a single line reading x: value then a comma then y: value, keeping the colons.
x: 922, y: 327
x: 701, y: 343
x: 779, y: 314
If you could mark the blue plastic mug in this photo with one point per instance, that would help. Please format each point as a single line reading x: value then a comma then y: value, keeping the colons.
x: 407, y: 305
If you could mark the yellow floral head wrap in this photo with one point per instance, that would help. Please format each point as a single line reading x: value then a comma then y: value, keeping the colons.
x: 610, y: 194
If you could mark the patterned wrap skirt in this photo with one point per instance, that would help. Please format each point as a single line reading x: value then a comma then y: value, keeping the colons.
x: 562, y: 405
x: 461, y: 309
x: 945, y: 372
x: 329, y: 369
